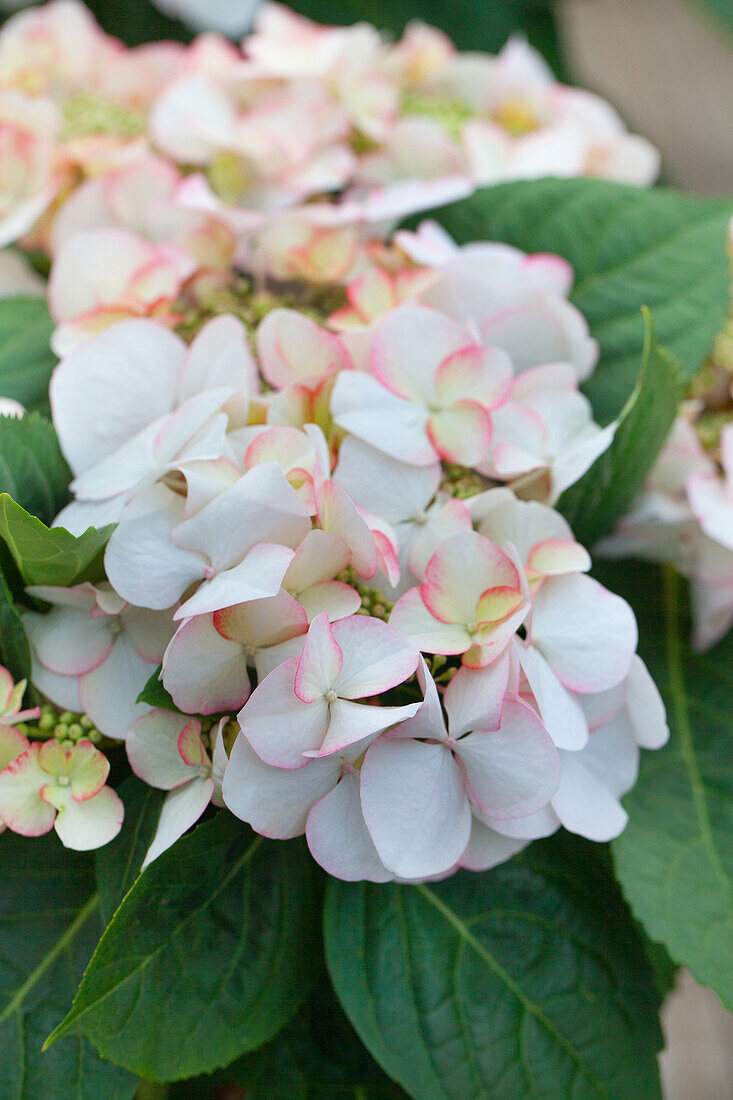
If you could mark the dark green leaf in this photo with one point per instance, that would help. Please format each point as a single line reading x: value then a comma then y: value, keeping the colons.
x: 206, y: 958
x: 32, y: 469
x: 629, y: 248
x: 675, y: 858
x: 14, y: 649
x: 49, y: 924
x: 26, y: 359
x: 118, y: 863
x: 155, y: 695
x: 605, y: 492
x: 316, y: 1057
x: 472, y: 24
x: 528, y: 980
x: 46, y: 555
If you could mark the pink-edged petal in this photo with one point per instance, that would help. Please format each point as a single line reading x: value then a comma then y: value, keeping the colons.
x: 712, y: 503
x: 474, y: 699
x: 553, y: 557
x: 256, y: 577
x: 362, y: 406
x: 585, y: 805
x: 278, y: 725
x: 479, y: 374
x: 561, y: 714
x: 461, y: 433
x: 21, y: 807
x: 181, y: 809
x: 587, y: 634
x: 376, y: 657
x: 349, y: 723
x: 83, y: 826
x: 487, y: 848
x: 414, y: 806
x: 275, y: 801
x: 338, y: 838
x: 646, y: 708
x: 432, y: 528
x: 62, y: 690
x: 338, y: 515
x: 383, y: 485
x: 12, y: 745
x: 544, y: 823
x: 204, y: 672
x: 513, y: 771
x: 320, y: 663
x: 220, y: 356
x: 190, y: 746
x: 412, y: 618
x: 109, y: 693
x: 408, y: 348
x: 88, y: 770
x: 153, y: 752
x: 293, y: 348
x: 542, y: 328
x: 460, y: 572
x: 70, y: 642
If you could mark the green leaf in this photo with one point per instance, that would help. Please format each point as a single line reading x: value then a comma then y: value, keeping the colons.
x: 14, y: 648
x: 26, y: 359
x: 49, y: 924
x: 722, y: 9
x: 206, y: 958
x: 118, y: 863
x: 472, y: 24
x: 49, y: 555
x: 32, y: 468
x: 629, y: 247
x: 605, y: 492
x: 316, y: 1057
x: 675, y: 857
x: 155, y: 695
x: 528, y: 980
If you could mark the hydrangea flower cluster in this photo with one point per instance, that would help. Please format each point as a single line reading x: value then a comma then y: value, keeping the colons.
x: 145, y: 173
x: 334, y: 537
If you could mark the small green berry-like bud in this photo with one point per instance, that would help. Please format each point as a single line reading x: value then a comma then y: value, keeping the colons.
x: 85, y: 722
x: 47, y: 721
x: 76, y: 731
x: 61, y: 730
x: 67, y: 744
x: 94, y: 735
x: 66, y: 717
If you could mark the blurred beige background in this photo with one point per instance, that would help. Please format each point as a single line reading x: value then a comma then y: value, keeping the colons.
x: 667, y: 65
x: 669, y: 70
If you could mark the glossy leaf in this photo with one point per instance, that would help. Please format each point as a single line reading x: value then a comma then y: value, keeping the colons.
x: 155, y: 695
x: 15, y: 651
x: 206, y: 958
x: 118, y: 863
x: 528, y: 980
x: 629, y: 247
x: 675, y: 858
x: 26, y: 359
x: 33, y: 470
x: 49, y: 924
x: 606, y: 491
x: 46, y: 555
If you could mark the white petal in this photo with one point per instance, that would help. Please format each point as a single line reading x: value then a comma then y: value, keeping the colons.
x: 513, y: 771
x: 587, y: 634
x: 204, y: 672
x: 487, y: 848
x: 360, y: 405
x: 275, y: 801
x: 646, y: 708
x: 561, y: 714
x: 109, y: 693
x: 584, y: 805
x: 414, y: 806
x: 474, y: 699
x: 258, y: 576
x: 68, y: 641
x: 376, y: 657
x: 90, y: 824
x: 278, y: 725
x: 181, y: 809
x: 152, y: 749
x: 349, y: 723
x: 338, y: 838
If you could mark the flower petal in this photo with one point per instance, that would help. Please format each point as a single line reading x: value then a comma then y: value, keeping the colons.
x: 205, y: 672
x: 376, y: 657
x: 278, y: 725
x: 338, y: 838
x: 153, y: 752
x: 181, y: 809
